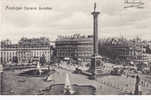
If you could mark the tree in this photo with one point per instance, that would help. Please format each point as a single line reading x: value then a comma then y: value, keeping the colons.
x: 42, y: 60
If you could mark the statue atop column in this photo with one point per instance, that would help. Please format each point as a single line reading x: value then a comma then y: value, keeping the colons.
x: 96, y: 59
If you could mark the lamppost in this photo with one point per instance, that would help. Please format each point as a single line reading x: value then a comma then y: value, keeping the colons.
x: 1, y: 73
x: 137, y: 91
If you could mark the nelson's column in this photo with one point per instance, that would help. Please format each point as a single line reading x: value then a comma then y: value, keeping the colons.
x: 96, y: 59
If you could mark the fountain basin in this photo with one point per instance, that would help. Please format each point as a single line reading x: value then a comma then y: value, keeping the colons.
x: 35, y: 73
x: 58, y: 89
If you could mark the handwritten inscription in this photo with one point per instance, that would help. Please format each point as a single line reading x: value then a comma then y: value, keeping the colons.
x: 133, y: 3
x: 17, y: 8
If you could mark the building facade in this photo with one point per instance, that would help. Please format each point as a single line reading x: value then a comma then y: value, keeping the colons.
x: 26, y: 51
x: 8, y: 52
x: 27, y: 55
x: 122, y: 50
x: 76, y: 47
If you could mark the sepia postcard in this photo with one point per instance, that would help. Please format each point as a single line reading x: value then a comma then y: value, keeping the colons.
x: 75, y: 47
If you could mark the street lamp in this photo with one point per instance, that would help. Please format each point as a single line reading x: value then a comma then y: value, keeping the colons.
x: 1, y: 73
x: 137, y: 85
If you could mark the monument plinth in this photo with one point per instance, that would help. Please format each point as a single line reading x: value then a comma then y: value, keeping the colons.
x: 96, y: 59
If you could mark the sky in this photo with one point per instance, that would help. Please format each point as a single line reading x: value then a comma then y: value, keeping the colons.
x: 73, y: 16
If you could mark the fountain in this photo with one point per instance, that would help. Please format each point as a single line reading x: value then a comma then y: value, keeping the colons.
x: 39, y: 69
x: 37, y: 72
x: 68, y: 87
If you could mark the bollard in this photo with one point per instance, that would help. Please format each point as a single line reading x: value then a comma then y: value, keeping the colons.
x: 116, y: 85
x: 147, y: 85
x: 127, y: 88
x: 111, y: 85
x: 121, y: 89
x: 107, y: 84
x: 142, y: 83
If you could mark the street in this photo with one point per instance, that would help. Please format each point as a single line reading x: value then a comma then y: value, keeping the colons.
x: 13, y: 84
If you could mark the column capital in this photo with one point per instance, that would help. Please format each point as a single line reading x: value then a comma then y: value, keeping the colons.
x: 95, y: 13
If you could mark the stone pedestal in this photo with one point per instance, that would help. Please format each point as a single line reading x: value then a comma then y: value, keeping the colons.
x: 96, y: 63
